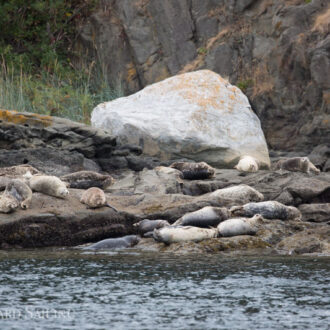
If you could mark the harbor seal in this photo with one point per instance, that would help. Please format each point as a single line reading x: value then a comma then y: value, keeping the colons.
x: 297, y: 164
x: 17, y: 193
x: 194, y: 171
x: 240, y: 226
x: 247, y: 164
x: 95, y: 197
x: 206, y: 217
x: 147, y: 225
x: 241, y: 194
x: 175, y: 234
x: 21, y: 191
x: 46, y: 184
x: 18, y: 170
x: 87, y: 179
x: 268, y: 209
x: 8, y: 203
x: 115, y: 243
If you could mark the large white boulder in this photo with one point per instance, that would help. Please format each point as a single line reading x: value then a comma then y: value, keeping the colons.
x: 196, y: 115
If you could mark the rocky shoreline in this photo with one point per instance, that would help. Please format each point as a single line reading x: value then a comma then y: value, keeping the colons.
x: 153, y: 192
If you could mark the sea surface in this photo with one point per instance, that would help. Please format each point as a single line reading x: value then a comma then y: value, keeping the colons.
x: 71, y: 289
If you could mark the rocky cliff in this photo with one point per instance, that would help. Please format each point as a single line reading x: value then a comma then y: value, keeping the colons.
x: 277, y: 52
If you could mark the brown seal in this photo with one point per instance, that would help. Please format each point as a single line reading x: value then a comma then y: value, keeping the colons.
x: 296, y: 164
x: 88, y: 179
x: 95, y: 197
x: 18, y: 170
x: 194, y: 171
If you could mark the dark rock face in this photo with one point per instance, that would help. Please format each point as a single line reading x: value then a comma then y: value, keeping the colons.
x: 59, y: 146
x: 277, y: 52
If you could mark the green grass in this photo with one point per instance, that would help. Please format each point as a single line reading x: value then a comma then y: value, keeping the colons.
x: 66, y: 93
x: 245, y: 84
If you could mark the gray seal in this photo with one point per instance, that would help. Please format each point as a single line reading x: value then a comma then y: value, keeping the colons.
x: 268, y: 209
x: 115, y: 243
x: 147, y: 225
x: 17, y: 193
x: 87, y: 179
x: 240, y: 226
x: 297, y: 164
x: 194, y: 171
x: 206, y: 217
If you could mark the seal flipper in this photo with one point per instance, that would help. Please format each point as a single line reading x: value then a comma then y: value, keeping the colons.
x: 111, y: 207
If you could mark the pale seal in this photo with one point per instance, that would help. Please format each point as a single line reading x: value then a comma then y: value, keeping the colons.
x: 147, y: 225
x: 241, y: 194
x: 247, y: 164
x: 114, y: 243
x: 49, y: 185
x: 268, y: 209
x: 87, y: 179
x: 206, y: 217
x: 175, y: 234
x: 297, y: 164
x: 8, y: 203
x: 194, y: 171
x: 240, y: 226
x: 94, y: 198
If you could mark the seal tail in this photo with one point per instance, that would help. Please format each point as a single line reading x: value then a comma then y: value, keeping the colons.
x: 111, y: 207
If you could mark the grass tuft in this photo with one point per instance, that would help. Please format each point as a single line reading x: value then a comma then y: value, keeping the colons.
x: 65, y: 93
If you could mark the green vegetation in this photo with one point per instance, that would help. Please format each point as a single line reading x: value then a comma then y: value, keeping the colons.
x: 245, y: 84
x: 308, y: 1
x: 201, y: 51
x: 37, y: 72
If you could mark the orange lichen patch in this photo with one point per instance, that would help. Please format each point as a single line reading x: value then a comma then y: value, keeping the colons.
x: 131, y: 72
x: 21, y: 119
x: 322, y: 22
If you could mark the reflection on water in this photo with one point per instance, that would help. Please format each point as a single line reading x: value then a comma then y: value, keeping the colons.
x: 69, y: 289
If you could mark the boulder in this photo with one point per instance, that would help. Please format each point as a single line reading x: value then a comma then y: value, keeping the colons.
x: 197, y: 115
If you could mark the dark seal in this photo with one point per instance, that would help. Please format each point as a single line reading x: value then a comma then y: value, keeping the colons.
x: 194, y: 171
x: 114, y: 243
x: 88, y: 179
x: 206, y: 217
x: 147, y: 225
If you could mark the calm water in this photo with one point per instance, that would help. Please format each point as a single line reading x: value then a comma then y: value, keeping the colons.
x: 65, y: 289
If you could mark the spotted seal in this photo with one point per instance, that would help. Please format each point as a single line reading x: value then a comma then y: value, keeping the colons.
x: 47, y: 184
x: 240, y: 226
x: 8, y: 203
x: 297, y: 164
x: 94, y: 198
x: 115, y: 243
x: 241, y: 194
x: 147, y: 225
x: 206, y: 217
x: 194, y: 171
x: 175, y: 234
x: 268, y: 209
x: 247, y: 164
x: 17, y: 193
x: 87, y: 179
x: 18, y: 170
